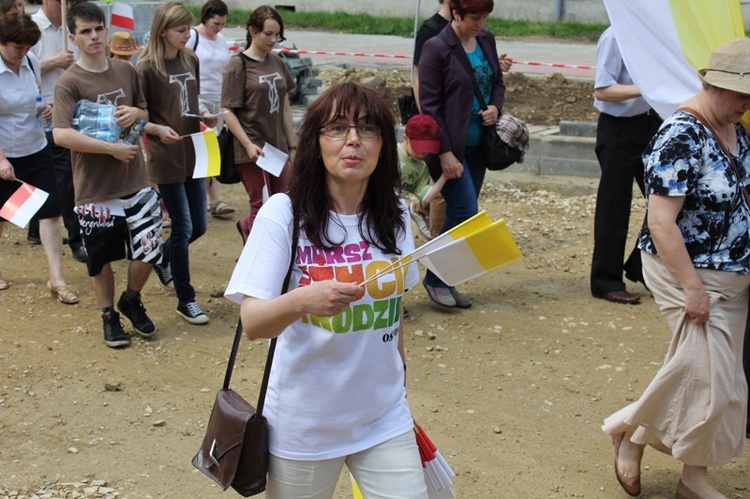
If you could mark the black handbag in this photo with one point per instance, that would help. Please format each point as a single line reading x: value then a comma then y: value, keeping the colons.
x: 234, y: 451
x: 496, y: 154
x: 228, y: 174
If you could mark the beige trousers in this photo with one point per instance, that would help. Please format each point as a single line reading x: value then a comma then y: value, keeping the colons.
x: 696, y: 405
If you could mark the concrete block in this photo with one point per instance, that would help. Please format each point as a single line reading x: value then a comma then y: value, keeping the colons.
x: 578, y: 128
x: 564, y: 155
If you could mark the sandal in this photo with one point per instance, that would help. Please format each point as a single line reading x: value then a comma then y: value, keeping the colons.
x: 219, y: 209
x: 3, y: 283
x: 63, y: 293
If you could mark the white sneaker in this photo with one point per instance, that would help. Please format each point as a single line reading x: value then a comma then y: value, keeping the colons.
x: 421, y: 221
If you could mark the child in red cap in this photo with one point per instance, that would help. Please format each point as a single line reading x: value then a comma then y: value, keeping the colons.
x: 421, y: 137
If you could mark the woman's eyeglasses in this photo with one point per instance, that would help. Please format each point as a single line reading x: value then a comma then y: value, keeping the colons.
x: 339, y: 131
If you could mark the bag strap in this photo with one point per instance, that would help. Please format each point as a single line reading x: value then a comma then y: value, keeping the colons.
x: 460, y: 54
x: 724, y: 148
x: 272, y: 346
x: 197, y: 38
x: 31, y: 66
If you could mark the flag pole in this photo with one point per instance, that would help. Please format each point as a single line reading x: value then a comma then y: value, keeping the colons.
x: 64, y: 15
x: 400, y: 263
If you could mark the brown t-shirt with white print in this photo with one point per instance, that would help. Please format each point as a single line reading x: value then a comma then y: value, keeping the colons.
x: 169, y: 99
x: 100, y: 177
x: 257, y: 98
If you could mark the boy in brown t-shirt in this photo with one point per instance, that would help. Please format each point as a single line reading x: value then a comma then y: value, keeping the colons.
x: 118, y: 210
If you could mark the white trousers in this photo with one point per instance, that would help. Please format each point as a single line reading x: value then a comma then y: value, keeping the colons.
x: 391, y: 470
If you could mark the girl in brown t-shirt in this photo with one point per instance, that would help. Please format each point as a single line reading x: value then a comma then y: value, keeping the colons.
x: 255, y: 94
x: 168, y: 73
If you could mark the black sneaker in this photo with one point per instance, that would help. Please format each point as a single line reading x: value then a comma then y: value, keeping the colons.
x: 191, y: 312
x: 136, y: 312
x: 462, y: 301
x: 114, y: 335
x: 164, y: 273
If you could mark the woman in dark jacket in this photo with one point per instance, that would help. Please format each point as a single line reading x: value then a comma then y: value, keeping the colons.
x: 446, y: 93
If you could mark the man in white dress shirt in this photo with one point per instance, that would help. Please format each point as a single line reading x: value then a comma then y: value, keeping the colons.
x: 55, y: 60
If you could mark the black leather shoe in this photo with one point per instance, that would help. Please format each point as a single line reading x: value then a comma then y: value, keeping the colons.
x: 621, y: 296
x: 80, y: 254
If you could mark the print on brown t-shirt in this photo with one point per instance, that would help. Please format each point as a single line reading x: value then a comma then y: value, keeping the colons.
x: 100, y: 177
x: 257, y: 98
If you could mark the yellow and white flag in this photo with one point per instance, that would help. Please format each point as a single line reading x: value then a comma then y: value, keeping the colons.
x: 480, y: 251
x: 207, y: 155
x: 477, y: 244
x: 665, y: 42
x: 478, y: 221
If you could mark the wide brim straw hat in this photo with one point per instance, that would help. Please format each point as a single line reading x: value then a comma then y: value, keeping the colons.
x: 123, y: 44
x: 729, y: 66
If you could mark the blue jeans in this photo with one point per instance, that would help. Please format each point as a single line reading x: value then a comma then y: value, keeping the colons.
x: 186, y: 204
x: 461, y: 198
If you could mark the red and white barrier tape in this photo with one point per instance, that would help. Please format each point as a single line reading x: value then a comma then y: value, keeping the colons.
x: 556, y: 65
x: 236, y: 48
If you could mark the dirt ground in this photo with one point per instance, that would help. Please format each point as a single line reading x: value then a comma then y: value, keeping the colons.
x: 536, y: 100
x: 513, y: 391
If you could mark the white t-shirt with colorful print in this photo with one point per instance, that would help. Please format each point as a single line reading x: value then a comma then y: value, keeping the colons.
x: 337, y: 383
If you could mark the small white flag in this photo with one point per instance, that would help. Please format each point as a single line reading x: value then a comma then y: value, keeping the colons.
x: 272, y: 160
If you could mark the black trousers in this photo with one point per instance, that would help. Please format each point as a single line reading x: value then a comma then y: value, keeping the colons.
x: 65, y: 195
x: 619, y: 145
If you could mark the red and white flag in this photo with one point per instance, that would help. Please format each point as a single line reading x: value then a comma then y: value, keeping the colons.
x: 23, y: 204
x: 122, y: 16
x: 437, y: 473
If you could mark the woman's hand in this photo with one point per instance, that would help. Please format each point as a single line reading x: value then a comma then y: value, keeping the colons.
x: 489, y: 115
x: 210, y: 121
x: 505, y: 63
x: 452, y: 167
x: 329, y: 298
x: 6, y: 170
x: 253, y: 151
x: 167, y: 135
x: 46, y: 114
x: 697, y: 305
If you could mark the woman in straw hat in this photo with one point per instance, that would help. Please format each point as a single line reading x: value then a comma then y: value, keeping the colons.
x: 696, y: 261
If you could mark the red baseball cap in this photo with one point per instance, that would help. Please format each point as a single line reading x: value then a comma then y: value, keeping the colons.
x: 424, y: 134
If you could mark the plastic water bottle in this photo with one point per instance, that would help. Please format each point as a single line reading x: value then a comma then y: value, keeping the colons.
x: 40, y: 107
x: 97, y: 121
x: 135, y: 133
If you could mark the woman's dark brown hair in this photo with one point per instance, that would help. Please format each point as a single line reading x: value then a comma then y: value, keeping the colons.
x: 213, y: 8
x: 463, y: 7
x: 258, y: 18
x: 19, y: 29
x: 380, y: 215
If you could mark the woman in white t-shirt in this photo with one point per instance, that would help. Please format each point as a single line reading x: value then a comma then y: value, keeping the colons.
x: 336, y: 392
x: 212, y: 50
